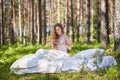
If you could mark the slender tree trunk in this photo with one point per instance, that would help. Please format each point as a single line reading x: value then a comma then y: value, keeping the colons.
x: 19, y: 21
x: 104, y: 24
x: 40, y: 23
x: 1, y: 3
x: 88, y: 20
x: 82, y: 16
x: 111, y: 16
x: 35, y: 22
x: 58, y: 10
x: 51, y: 5
x: 14, y: 23
x: 29, y: 21
x: 78, y: 19
x: 22, y: 18
x: 98, y: 20
x: 24, y: 22
x: 45, y: 22
x: 66, y: 3
x: 117, y: 25
x: 3, y: 29
x: 68, y: 17
x: 11, y: 28
x: 33, y: 33
x: 72, y: 24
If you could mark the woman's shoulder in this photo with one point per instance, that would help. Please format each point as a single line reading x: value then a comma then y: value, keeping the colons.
x: 65, y: 36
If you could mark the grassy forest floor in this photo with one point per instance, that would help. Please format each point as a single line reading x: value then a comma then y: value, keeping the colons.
x: 9, y: 54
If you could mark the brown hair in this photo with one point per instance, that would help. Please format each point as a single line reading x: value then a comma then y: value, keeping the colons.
x: 54, y: 34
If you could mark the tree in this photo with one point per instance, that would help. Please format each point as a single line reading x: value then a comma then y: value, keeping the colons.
x: 3, y: 27
x: 12, y: 26
x: 40, y: 23
x: 117, y: 25
x: 111, y: 15
x: 33, y: 34
x: 104, y: 23
x: 72, y: 24
x: 0, y: 20
x: 88, y: 15
x: 58, y: 10
x: 45, y: 22
x: 98, y: 20
x: 19, y: 20
x: 67, y: 16
x: 78, y: 19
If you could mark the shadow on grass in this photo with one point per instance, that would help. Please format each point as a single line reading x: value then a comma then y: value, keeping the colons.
x: 34, y: 77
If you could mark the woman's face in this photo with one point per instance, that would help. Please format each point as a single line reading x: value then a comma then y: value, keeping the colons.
x: 58, y: 31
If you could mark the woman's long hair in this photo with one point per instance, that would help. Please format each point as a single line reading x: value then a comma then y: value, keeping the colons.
x: 54, y: 34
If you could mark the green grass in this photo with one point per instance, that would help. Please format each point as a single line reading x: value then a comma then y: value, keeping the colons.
x: 9, y: 54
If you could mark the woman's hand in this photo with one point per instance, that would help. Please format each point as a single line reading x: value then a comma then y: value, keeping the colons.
x: 56, y: 42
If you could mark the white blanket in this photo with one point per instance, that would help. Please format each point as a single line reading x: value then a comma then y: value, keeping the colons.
x: 55, y: 61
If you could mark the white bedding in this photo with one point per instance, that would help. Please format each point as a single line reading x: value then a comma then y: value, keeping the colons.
x: 55, y: 61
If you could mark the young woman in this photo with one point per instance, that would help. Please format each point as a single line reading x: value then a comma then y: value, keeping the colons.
x: 59, y: 40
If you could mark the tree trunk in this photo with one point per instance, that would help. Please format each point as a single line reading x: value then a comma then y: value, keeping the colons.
x: 68, y: 17
x: 25, y: 10
x: 104, y: 24
x: 40, y: 23
x: 19, y: 21
x: 33, y: 34
x: 88, y: 20
x: 98, y: 20
x: 111, y: 16
x: 29, y: 21
x: 3, y: 29
x: 14, y: 24
x: 58, y: 10
x: 72, y: 24
x: 78, y: 19
x: 117, y: 26
x: 1, y: 3
x: 45, y: 22
x: 11, y: 28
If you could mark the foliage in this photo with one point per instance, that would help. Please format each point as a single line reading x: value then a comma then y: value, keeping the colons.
x: 8, y: 54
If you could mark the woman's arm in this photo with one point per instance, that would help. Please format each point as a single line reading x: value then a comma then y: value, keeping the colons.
x: 54, y: 44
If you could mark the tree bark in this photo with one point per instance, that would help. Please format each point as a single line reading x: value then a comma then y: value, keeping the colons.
x: 78, y: 19
x: 0, y: 20
x: 104, y: 24
x: 45, y: 22
x: 88, y: 20
x: 40, y: 23
x: 117, y: 26
x: 19, y: 21
x: 33, y: 34
x: 2, y: 24
x: 98, y: 20
x: 68, y: 17
x: 58, y: 10
x: 72, y: 24
x: 11, y: 28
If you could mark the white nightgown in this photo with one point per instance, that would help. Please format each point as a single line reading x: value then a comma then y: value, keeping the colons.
x: 63, y: 41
